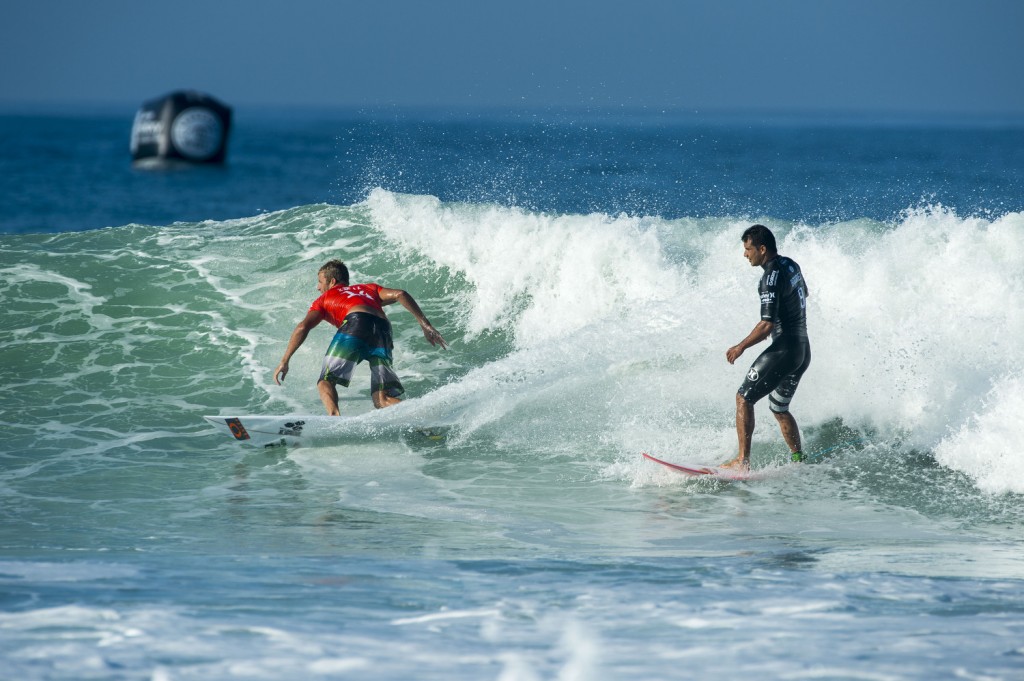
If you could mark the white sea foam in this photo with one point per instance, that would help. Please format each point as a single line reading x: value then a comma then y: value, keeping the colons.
x: 547, y: 276
x: 987, y: 447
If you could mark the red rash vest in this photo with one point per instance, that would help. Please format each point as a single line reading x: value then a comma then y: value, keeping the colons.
x: 336, y: 302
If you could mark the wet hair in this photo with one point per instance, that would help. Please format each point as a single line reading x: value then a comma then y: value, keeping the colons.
x: 335, y: 269
x: 759, y: 235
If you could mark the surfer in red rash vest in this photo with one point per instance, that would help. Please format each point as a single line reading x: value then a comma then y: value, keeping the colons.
x: 364, y: 333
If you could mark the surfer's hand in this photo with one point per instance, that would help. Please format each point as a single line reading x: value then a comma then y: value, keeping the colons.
x: 433, y: 337
x: 280, y: 372
x: 733, y: 353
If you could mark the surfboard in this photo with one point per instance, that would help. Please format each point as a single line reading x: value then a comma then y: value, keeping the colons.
x: 304, y: 430
x: 708, y: 471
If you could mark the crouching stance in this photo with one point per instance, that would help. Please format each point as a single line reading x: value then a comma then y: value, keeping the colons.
x: 364, y: 333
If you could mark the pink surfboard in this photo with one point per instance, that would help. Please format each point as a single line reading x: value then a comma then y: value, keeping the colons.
x: 710, y: 471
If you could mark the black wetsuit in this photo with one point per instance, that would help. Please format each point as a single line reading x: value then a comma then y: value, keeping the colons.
x: 778, y: 369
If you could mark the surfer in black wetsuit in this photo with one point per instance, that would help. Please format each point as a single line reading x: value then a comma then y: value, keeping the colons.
x: 777, y: 371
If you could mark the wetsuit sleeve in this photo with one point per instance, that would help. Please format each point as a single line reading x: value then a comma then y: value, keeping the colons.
x: 769, y: 291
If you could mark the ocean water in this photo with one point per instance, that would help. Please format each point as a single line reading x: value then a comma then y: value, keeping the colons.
x: 587, y: 271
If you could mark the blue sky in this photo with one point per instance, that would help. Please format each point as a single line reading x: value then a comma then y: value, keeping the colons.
x: 940, y: 57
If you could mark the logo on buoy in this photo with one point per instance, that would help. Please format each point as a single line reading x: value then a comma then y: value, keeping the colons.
x: 196, y: 133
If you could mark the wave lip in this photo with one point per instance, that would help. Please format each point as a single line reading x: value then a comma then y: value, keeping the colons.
x: 987, y: 447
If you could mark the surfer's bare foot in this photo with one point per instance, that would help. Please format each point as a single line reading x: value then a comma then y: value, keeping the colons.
x: 737, y: 464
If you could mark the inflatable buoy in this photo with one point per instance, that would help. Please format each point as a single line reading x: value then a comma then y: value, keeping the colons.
x: 184, y: 126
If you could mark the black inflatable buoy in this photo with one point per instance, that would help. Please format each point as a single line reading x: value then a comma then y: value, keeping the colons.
x: 182, y: 127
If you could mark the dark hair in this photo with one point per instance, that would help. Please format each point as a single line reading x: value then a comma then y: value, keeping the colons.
x: 759, y: 235
x: 336, y: 270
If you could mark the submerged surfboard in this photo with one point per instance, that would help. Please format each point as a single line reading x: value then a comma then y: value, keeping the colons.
x: 298, y: 429
x: 710, y: 471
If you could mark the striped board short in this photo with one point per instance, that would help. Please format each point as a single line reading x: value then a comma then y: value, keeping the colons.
x: 362, y: 336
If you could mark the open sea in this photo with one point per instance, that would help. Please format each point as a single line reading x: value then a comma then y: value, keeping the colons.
x: 587, y: 270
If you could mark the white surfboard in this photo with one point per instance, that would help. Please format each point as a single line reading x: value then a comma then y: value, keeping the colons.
x: 300, y: 429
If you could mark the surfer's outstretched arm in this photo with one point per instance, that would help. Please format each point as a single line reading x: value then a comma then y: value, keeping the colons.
x: 394, y: 295
x: 302, y: 330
